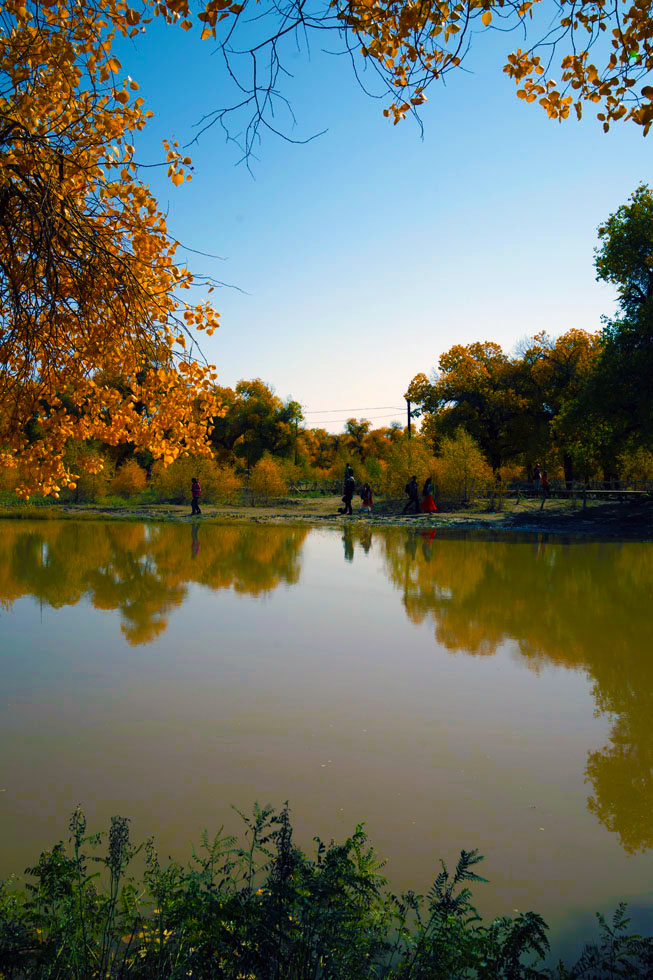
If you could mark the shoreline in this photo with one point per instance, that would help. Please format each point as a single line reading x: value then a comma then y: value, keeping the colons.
x: 615, y: 521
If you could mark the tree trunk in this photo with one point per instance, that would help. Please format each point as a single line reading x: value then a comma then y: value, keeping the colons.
x: 568, y: 466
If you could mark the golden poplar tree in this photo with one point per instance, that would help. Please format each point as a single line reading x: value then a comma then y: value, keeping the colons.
x: 93, y: 336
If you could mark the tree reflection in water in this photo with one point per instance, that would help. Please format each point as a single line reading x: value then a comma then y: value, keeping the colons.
x: 584, y: 606
x: 142, y: 571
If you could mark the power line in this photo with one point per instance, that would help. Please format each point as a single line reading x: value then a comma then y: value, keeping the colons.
x: 330, y: 421
x: 371, y: 408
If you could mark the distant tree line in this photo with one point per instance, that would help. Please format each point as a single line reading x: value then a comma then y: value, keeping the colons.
x: 579, y: 405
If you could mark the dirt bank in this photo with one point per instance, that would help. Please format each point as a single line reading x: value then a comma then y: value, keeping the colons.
x: 631, y: 521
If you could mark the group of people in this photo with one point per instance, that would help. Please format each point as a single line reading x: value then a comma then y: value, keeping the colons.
x: 425, y: 505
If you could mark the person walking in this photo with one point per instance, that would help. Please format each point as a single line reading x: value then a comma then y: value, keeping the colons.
x: 366, y: 499
x: 545, y: 487
x: 348, y: 489
x: 412, y: 490
x: 428, y: 503
x: 536, y: 478
x: 196, y: 493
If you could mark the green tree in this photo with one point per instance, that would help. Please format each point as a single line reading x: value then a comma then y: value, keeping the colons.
x: 479, y: 388
x: 621, y: 392
x: 556, y: 372
x: 256, y: 421
x: 460, y: 469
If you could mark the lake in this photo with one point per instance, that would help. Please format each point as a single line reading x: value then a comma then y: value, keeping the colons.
x: 452, y: 691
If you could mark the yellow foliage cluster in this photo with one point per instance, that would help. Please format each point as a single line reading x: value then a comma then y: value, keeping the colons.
x: 172, y: 483
x: 460, y: 470
x: 8, y: 479
x: 129, y: 479
x: 636, y: 465
x: 267, y: 479
x: 93, y: 333
x: 414, y: 44
x: 408, y: 457
x: 94, y: 473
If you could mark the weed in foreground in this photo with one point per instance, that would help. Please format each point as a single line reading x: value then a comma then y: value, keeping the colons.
x: 261, y: 909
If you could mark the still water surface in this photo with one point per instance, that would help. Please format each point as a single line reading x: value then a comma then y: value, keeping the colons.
x: 449, y: 691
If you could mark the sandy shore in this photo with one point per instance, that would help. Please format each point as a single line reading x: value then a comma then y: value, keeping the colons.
x: 631, y: 521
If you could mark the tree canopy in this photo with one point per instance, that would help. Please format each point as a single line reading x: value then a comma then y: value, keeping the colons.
x: 96, y: 341
x: 93, y: 332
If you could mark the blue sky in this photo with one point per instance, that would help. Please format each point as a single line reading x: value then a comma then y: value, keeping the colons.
x: 365, y: 254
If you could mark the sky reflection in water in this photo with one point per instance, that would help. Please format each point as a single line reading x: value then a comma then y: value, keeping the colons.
x: 168, y: 671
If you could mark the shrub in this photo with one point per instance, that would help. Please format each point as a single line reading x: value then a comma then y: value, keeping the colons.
x: 636, y: 465
x: 93, y: 474
x: 460, y: 469
x: 262, y: 909
x: 129, y: 479
x: 407, y: 457
x: 290, y: 472
x: 172, y: 483
x: 8, y: 479
x: 266, y: 479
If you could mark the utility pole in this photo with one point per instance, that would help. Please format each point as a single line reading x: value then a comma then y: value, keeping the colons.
x: 408, y: 412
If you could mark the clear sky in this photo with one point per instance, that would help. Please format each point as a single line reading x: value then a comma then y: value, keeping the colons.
x: 365, y: 254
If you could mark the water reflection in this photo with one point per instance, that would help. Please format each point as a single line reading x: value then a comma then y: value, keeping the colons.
x: 142, y: 571
x: 578, y: 606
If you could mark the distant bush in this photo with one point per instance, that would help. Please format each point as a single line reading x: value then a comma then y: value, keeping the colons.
x: 636, y: 465
x: 8, y: 479
x: 266, y: 479
x: 172, y: 483
x: 460, y: 469
x: 93, y: 474
x: 407, y: 457
x: 128, y: 480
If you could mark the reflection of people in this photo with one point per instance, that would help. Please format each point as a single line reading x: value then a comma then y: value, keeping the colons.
x: 196, y: 493
x: 347, y: 491
x: 412, y: 490
x: 366, y: 541
x: 428, y: 537
x: 194, y: 540
x: 366, y: 499
x: 348, y: 542
x: 428, y: 503
x: 411, y: 544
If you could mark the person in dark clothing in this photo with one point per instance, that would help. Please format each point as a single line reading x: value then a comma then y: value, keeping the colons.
x: 348, y: 542
x: 412, y: 490
x: 348, y: 491
x: 196, y: 493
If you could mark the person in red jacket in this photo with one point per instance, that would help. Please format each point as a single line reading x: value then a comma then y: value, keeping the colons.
x: 196, y: 493
x: 366, y: 499
x: 428, y: 503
